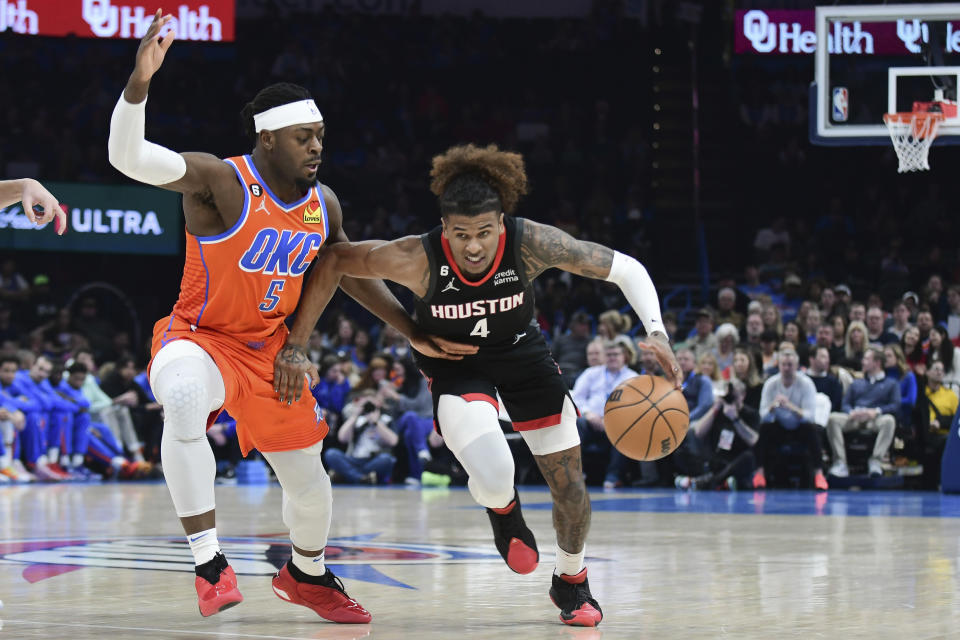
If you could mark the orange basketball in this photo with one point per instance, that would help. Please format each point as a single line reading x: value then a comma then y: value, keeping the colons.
x: 646, y: 418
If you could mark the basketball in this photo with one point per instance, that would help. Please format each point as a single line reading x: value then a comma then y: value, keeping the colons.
x: 646, y: 418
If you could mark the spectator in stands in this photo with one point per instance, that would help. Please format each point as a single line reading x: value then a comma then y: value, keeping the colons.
x: 811, y: 324
x: 315, y: 349
x: 827, y: 301
x: 925, y: 325
x: 793, y: 333
x: 342, y: 340
x: 787, y: 406
x: 570, y: 349
x: 670, y: 323
x: 411, y: 407
x: 768, y: 237
x: 768, y: 351
x: 952, y: 321
x: 901, y: 320
x: 913, y: 350
x: 725, y: 436
x: 857, y: 312
x: 146, y: 413
x: 825, y: 339
x: 726, y: 308
x: 771, y: 318
x: 934, y: 298
x: 872, y: 402
x: 707, y: 367
x: 369, y: 439
x: 702, y: 340
x: 727, y: 338
x: 394, y: 344
x: 14, y: 288
x: 843, y: 296
x: 596, y: 352
x: 696, y: 389
x: 14, y: 403
x: 612, y: 323
x: 590, y: 392
x: 825, y: 382
x: 854, y: 346
x: 792, y: 296
x: 753, y: 329
x: 331, y: 390
x: 744, y: 369
x: 895, y: 367
x: 912, y: 300
x: 943, y: 407
x: 113, y: 412
x: 942, y: 350
x: 752, y: 287
x: 876, y: 335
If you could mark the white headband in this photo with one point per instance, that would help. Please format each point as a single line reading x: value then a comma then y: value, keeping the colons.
x: 302, y: 112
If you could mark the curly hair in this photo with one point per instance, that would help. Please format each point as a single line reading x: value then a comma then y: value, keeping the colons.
x: 268, y: 98
x: 470, y: 180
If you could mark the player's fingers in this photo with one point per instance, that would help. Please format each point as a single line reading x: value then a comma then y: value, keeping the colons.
x: 294, y: 385
x: 167, y: 40
x: 28, y: 211
x: 60, y: 221
x: 281, y: 383
x: 314, y: 376
x: 456, y: 347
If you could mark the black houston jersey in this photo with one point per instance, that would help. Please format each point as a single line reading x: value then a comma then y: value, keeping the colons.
x: 496, y: 310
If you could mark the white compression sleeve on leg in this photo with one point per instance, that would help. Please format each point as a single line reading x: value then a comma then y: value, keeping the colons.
x: 472, y: 432
x: 188, y: 384
x: 637, y: 287
x: 133, y: 155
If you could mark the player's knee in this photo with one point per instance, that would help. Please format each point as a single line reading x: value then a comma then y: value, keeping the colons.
x: 185, y: 407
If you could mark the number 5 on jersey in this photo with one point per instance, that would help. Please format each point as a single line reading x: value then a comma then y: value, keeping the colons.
x: 480, y: 329
x: 272, y: 299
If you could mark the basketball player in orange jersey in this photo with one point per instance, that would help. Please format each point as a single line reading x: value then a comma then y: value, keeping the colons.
x: 253, y: 225
x: 472, y: 277
x: 33, y: 194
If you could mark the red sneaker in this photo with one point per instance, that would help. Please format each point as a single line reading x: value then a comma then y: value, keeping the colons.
x: 328, y: 600
x: 214, y: 598
x: 571, y: 594
x: 513, y: 538
x: 759, y: 480
x: 820, y: 482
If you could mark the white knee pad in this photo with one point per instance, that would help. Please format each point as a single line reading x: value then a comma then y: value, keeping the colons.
x: 472, y: 433
x: 307, y: 495
x: 557, y: 438
x: 186, y: 381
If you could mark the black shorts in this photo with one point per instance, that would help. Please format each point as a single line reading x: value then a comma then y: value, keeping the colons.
x: 526, y: 376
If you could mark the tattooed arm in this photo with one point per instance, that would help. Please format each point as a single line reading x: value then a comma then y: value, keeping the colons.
x: 543, y: 246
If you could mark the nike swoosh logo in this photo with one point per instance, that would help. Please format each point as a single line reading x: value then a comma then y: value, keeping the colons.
x: 197, y: 538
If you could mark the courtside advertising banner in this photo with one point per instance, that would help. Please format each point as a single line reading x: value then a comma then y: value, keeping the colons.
x: 787, y: 31
x: 101, y: 219
x: 201, y: 20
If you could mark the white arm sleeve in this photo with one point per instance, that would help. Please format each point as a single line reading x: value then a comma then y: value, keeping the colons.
x: 637, y: 287
x: 132, y: 155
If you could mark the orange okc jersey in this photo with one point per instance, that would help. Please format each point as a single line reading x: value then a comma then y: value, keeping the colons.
x: 246, y: 280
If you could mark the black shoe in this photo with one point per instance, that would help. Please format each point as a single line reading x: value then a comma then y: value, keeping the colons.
x: 513, y: 538
x: 572, y: 596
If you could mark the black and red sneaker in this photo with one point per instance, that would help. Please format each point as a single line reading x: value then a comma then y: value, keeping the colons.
x: 513, y: 538
x: 219, y: 593
x: 572, y: 596
x: 325, y: 595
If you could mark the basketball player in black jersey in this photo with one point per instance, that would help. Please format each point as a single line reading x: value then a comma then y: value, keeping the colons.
x: 472, y: 277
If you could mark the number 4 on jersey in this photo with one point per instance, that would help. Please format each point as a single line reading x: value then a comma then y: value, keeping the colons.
x: 480, y: 329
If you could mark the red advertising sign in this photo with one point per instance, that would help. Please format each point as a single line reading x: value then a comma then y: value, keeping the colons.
x: 759, y: 31
x: 204, y: 20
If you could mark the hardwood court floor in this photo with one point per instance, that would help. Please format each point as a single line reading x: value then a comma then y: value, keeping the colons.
x: 108, y: 561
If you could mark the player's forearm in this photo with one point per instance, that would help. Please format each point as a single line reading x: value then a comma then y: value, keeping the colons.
x: 137, y: 88
x: 377, y: 298
x: 314, y: 299
x: 10, y: 191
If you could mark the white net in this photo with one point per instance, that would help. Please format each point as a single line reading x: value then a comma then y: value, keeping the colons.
x: 912, y: 135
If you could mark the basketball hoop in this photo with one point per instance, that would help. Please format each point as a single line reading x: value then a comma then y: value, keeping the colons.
x: 912, y: 134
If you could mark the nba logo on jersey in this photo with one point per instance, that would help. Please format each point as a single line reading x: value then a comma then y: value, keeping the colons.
x: 841, y: 103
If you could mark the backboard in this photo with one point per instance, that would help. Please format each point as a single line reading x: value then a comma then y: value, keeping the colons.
x: 876, y: 59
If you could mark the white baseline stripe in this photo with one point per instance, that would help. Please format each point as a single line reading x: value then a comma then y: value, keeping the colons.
x: 231, y: 634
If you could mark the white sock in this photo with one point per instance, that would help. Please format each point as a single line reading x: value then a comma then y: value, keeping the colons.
x: 118, y: 462
x: 54, y: 454
x: 78, y: 460
x: 65, y: 461
x: 569, y: 563
x: 310, y: 565
x: 204, y: 545
x: 6, y: 459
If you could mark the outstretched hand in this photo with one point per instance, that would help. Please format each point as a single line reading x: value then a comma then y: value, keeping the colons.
x: 289, y: 369
x: 153, y: 49
x: 40, y: 206
x: 658, y: 343
x: 436, y: 347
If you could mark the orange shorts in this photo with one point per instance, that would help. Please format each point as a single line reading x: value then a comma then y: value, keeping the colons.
x: 263, y: 422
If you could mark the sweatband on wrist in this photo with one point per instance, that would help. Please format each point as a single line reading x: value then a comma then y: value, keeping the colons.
x: 638, y: 289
